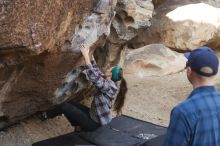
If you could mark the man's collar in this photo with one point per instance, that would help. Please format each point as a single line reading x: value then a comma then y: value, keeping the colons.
x: 202, y: 89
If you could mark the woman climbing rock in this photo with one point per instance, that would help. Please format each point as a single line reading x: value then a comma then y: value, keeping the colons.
x: 89, y: 119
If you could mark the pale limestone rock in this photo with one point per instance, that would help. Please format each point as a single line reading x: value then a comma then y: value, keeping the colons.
x: 153, y: 60
x: 91, y: 30
x: 105, y: 6
x: 199, y: 22
x: 183, y: 25
x: 131, y: 16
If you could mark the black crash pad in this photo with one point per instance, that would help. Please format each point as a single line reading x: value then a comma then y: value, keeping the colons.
x: 122, y: 131
x: 71, y: 139
x: 158, y: 141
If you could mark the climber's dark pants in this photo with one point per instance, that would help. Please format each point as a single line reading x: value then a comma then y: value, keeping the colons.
x: 77, y: 115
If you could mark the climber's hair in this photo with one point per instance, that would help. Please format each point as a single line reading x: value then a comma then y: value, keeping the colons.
x: 119, y: 102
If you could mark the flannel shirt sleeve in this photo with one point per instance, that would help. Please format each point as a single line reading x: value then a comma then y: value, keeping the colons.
x: 102, y: 84
x: 178, y: 132
x: 95, y: 67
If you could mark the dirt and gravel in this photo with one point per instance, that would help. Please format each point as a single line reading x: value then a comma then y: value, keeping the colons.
x: 149, y: 98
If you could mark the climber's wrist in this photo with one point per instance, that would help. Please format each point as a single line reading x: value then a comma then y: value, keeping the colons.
x: 87, y: 59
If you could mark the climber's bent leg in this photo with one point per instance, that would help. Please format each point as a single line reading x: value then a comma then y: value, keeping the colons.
x: 78, y: 115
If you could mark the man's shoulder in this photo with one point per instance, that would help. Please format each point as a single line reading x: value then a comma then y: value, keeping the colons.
x: 197, y: 102
x: 186, y: 106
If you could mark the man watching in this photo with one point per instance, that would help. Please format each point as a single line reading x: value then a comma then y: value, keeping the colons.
x: 196, y: 121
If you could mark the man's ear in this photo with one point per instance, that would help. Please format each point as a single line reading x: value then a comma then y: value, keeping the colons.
x: 188, y: 71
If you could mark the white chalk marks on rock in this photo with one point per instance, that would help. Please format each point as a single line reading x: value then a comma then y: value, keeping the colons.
x: 72, y: 84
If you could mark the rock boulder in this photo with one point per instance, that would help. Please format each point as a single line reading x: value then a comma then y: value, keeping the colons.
x: 153, y: 60
x: 183, y: 25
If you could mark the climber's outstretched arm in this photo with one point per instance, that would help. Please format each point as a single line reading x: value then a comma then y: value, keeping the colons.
x: 85, y: 53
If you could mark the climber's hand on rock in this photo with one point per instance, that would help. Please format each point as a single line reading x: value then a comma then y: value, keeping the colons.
x: 85, y: 53
x: 84, y: 50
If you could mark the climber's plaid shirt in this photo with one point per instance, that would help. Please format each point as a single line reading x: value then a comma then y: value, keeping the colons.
x: 107, y: 89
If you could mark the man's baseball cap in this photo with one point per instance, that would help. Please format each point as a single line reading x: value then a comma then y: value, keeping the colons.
x: 200, y: 58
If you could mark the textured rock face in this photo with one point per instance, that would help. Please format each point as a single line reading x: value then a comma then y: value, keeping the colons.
x: 32, y: 27
x: 39, y: 46
x: 183, y: 25
x: 34, y: 35
x: 131, y: 16
x: 155, y: 59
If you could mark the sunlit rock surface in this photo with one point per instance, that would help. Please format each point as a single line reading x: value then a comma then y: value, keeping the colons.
x: 183, y: 25
x: 153, y: 60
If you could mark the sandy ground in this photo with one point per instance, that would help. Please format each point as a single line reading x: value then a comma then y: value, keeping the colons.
x: 152, y: 98
x: 149, y: 98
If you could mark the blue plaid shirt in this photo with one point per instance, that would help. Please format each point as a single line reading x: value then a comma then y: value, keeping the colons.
x: 196, y: 121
